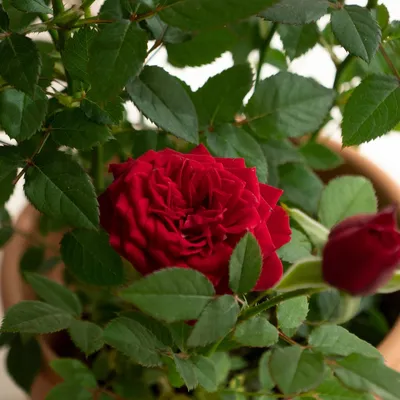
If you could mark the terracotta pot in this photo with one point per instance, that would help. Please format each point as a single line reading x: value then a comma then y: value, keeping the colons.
x: 13, y: 290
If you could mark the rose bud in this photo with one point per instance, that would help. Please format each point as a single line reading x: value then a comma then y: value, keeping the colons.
x: 362, y: 252
x: 168, y: 209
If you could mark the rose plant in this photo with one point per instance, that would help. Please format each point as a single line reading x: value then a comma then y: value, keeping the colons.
x: 212, y: 263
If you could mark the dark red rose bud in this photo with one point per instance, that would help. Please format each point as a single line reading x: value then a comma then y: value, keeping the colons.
x: 190, y: 210
x: 362, y: 252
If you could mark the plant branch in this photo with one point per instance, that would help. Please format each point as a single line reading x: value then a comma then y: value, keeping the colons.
x: 52, y: 32
x: 87, y: 4
x: 58, y: 8
x: 251, y: 312
x: 335, y: 59
x: 340, y: 70
x: 389, y: 61
x: 263, y: 50
x: 98, y: 168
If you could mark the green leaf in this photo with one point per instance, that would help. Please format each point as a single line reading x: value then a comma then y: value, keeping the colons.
x: 31, y: 6
x: 7, y: 187
x: 215, y: 322
x: 332, y: 389
x: 149, y: 140
x: 298, y: 248
x: 320, y: 157
x: 109, y: 113
x: 377, y: 116
x: 87, y: 336
x: 245, y: 264
x: 296, y: 12
x: 218, y: 100
x: 24, y: 361
x: 21, y: 116
x: 368, y: 375
x: 277, y: 59
x: 116, y: 53
x: 180, y: 332
x: 316, y: 232
x: 233, y: 142
x: 168, y: 34
x: 292, y: 313
x: 206, y: 373
x: 298, y: 39
x: 47, y: 51
x: 76, y: 54
x: 187, y: 371
x: 151, y: 93
x: 10, y: 161
x: 20, y: 62
x: 256, y: 332
x: 4, y: 20
x: 68, y: 391
x: 35, y: 317
x: 59, y: 188
x: 74, y: 371
x: 357, y: 31
x: 304, y: 274
x: 344, y: 197
x: 89, y: 256
x: 17, y: 19
x: 288, y: 104
x: 202, y: 49
x: 194, y: 15
x: 32, y: 259
x: 6, y: 230
x: 296, y: 370
x: 173, y: 376
x: 222, y: 364
x: 301, y: 186
x: 105, y: 396
x: 134, y: 340
x: 72, y: 128
x: 336, y: 340
x: 264, y: 375
x: 54, y: 293
x: 157, y: 328
x: 280, y: 151
x: 6, y: 338
x: 382, y: 16
x: 115, y: 9
x: 172, y: 294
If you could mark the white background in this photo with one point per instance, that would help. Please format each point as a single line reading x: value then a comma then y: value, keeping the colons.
x: 317, y: 64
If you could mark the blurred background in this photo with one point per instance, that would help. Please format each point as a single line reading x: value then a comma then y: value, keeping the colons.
x: 316, y: 64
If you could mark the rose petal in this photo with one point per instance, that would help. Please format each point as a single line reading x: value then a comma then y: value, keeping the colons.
x: 279, y: 227
x: 229, y: 163
x: 270, y: 194
x: 271, y: 273
x: 201, y: 150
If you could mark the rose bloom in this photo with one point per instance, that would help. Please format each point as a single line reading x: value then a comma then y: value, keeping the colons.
x: 362, y: 252
x: 168, y: 209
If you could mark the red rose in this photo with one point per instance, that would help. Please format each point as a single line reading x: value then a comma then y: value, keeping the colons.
x: 362, y: 252
x: 190, y: 210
